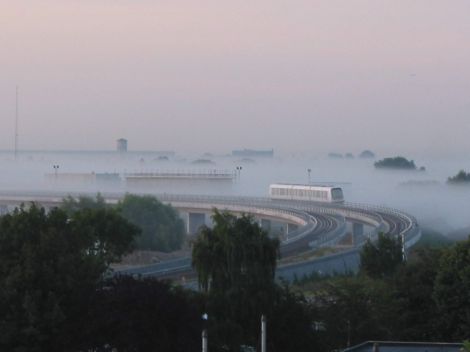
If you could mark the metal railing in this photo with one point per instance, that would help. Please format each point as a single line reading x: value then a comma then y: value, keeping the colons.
x: 300, y: 209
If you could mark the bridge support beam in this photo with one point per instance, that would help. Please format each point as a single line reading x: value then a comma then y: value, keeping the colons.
x: 3, y: 209
x: 265, y: 225
x: 291, y: 227
x: 195, y: 221
x: 357, y: 232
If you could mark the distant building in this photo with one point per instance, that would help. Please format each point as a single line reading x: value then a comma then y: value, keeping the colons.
x: 180, y: 179
x: 121, y: 145
x: 246, y: 153
x: 77, y: 178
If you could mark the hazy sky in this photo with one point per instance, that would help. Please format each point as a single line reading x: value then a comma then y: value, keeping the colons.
x: 393, y: 76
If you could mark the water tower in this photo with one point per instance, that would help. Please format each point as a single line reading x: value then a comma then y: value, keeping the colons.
x: 121, y: 145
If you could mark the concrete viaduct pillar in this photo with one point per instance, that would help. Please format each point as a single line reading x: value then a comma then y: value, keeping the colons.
x: 291, y: 227
x: 265, y: 225
x: 357, y: 232
x: 3, y: 209
x: 195, y: 221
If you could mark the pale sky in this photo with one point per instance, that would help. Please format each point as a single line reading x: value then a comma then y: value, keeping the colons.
x: 391, y: 76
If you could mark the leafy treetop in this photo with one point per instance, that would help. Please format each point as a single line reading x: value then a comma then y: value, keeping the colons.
x: 50, y: 261
x: 398, y: 162
x: 381, y: 259
x: 461, y: 177
x: 235, y: 252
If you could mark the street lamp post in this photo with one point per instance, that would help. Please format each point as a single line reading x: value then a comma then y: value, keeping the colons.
x: 263, y: 333
x: 403, y: 247
x: 239, y: 169
x: 56, y: 170
x: 205, y: 344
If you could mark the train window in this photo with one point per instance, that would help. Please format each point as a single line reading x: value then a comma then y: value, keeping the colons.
x: 337, y: 194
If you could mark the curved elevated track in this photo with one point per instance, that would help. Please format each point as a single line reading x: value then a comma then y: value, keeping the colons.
x: 317, y: 224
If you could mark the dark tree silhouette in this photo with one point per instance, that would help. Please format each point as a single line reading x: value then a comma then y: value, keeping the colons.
x: 50, y: 264
x: 381, y: 259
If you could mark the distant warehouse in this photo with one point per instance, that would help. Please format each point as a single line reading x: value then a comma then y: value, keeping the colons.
x: 244, y: 153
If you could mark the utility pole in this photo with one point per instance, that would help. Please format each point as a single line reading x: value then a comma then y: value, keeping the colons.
x: 204, y: 341
x: 263, y: 333
x: 403, y: 248
x: 56, y: 171
x: 16, y: 122
x: 205, y: 345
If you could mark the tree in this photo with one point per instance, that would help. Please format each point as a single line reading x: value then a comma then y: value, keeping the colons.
x: 236, y: 252
x: 131, y: 314
x: 367, y: 154
x: 236, y: 262
x: 72, y: 205
x: 353, y: 310
x: 291, y: 325
x: 451, y: 291
x: 50, y: 264
x: 162, y: 228
x: 397, y: 162
x: 413, y: 286
x: 462, y: 177
x: 381, y: 259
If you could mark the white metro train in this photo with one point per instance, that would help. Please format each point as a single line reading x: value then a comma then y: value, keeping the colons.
x: 306, y: 192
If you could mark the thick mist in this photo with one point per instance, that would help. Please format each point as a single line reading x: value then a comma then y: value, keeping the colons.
x: 427, y: 196
x: 305, y: 78
x: 216, y: 75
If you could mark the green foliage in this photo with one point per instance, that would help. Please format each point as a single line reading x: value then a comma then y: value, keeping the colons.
x: 451, y: 292
x: 235, y: 262
x: 290, y: 322
x: 353, y: 310
x: 367, y: 154
x: 432, y: 239
x: 398, y: 307
x: 381, y: 259
x: 398, y: 162
x: 72, y: 205
x: 50, y: 264
x: 130, y: 314
x: 235, y: 252
x: 413, y: 284
x: 162, y: 229
x: 461, y: 178
x: 424, y: 299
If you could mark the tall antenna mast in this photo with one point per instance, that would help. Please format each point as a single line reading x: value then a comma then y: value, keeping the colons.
x: 16, y: 123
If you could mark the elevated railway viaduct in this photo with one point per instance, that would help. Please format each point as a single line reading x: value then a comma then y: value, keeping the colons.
x: 308, y: 227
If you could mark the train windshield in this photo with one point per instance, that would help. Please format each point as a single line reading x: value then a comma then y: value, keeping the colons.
x: 337, y: 194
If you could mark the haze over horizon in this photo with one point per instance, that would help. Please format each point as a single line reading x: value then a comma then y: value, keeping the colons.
x: 391, y: 76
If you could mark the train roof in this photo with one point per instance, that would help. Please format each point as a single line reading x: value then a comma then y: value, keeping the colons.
x: 303, y: 186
